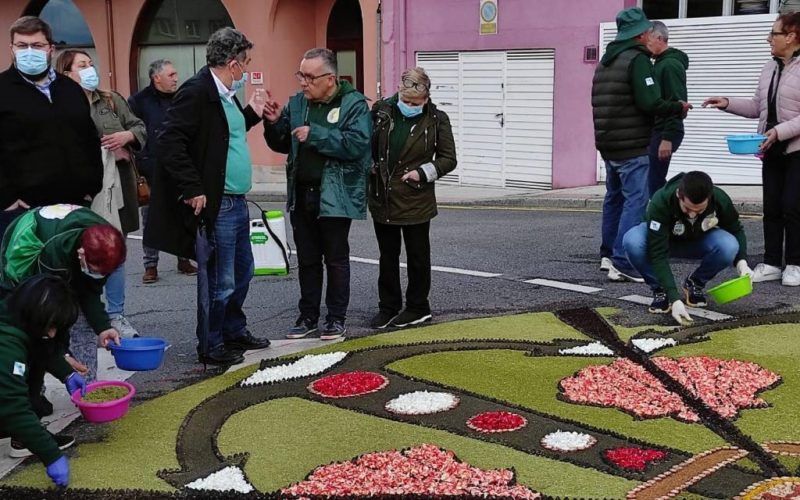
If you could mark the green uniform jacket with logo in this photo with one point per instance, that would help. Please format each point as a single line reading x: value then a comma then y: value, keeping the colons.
x: 60, y: 231
x: 17, y: 418
x: 346, y: 147
x: 670, y: 72
x: 666, y: 222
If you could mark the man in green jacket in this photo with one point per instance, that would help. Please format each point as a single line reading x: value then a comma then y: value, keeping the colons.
x: 34, y: 321
x: 670, y: 74
x: 693, y: 219
x: 325, y: 130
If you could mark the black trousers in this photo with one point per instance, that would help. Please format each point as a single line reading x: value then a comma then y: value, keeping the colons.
x: 781, y: 180
x: 316, y: 238
x: 418, y: 254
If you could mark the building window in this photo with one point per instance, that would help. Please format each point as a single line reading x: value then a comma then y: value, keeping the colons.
x: 192, y: 29
x: 704, y: 8
x: 670, y: 9
x: 69, y: 26
x: 165, y: 27
x: 661, y: 9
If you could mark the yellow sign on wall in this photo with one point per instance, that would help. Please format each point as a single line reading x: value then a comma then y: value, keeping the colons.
x: 488, y: 17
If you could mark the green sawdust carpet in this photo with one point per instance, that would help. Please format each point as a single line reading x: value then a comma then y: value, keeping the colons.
x: 509, y: 369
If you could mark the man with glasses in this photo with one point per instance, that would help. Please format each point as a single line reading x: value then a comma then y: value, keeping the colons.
x: 325, y: 130
x: 49, y: 148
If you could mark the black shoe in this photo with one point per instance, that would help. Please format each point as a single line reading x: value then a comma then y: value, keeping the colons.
x: 247, y: 342
x: 303, y: 327
x: 221, y: 356
x: 41, y: 406
x: 694, y: 293
x: 410, y: 318
x: 18, y: 449
x: 382, y: 320
x: 660, y: 304
x: 333, y: 330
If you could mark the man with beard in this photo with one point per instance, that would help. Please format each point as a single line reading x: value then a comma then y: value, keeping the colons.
x: 49, y: 148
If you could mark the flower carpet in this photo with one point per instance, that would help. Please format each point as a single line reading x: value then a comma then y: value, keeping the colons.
x: 561, y: 405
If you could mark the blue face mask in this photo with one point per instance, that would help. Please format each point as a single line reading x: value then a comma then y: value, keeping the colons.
x: 237, y: 85
x: 31, y: 61
x: 89, y: 78
x: 409, y: 111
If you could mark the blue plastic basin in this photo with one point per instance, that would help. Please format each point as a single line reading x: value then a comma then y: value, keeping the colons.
x: 139, y: 354
x: 746, y: 144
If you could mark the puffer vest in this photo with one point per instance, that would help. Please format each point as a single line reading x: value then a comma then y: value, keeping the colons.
x: 621, y: 130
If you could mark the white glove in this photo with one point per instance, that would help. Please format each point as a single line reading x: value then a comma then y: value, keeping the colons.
x: 743, y: 268
x: 680, y: 314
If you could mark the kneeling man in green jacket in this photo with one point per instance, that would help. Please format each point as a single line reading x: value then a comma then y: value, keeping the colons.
x: 688, y: 218
x: 34, y: 330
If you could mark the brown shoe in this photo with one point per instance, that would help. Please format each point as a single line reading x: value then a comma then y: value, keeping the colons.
x: 150, y: 275
x: 186, y: 267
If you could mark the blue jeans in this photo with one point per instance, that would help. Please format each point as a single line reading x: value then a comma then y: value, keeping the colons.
x: 115, y: 292
x: 658, y: 169
x: 225, y: 267
x: 624, y: 205
x: 716, y: 251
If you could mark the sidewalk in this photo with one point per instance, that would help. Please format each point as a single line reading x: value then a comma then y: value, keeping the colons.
x: 270, y: 185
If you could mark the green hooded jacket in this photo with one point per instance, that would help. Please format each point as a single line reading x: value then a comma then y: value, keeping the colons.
x: 17, y: 418
x: 666, y: 223
x: 670, y: 72
x: 46, y: 240
x: 344, y: 142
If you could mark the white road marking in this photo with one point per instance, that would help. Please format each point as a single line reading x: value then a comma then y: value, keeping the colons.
x: 694, y: 311
x: 134, y: 237
x: 563, y: 286
x: 451, y: 270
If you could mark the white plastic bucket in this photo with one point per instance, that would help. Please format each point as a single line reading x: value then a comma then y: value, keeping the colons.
x: 269, y: 256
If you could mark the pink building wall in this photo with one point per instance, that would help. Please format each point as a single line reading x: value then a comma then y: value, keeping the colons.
x: 564, y: 25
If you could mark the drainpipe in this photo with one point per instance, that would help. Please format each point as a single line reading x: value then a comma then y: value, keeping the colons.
x: 379, y: 22
x: 110, y: 34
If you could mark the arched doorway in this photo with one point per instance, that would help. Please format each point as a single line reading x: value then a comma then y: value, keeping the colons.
x: 346, y: 38
x: 69, y: 27
x: 177, y: 30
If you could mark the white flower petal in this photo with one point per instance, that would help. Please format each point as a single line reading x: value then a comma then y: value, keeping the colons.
x: 593, y: 349
x: 422, y: 403
x: 311, y: 364
x: 650, y: 345
x: 227, y: 479
x: 568, y: 441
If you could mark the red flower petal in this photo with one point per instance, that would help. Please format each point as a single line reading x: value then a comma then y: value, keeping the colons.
x: 636, y: 459
x: 496, y: 421
x: 345, y: 385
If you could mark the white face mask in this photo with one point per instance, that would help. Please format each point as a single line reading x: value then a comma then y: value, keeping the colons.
x: 85, y: 270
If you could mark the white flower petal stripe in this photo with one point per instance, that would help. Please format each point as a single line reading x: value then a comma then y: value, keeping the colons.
x: 422, y: 403
x: 593, y: 349
x: 228, y: 479
x: 650, y: 345
x: 311, y: 364
x: 568, y: 441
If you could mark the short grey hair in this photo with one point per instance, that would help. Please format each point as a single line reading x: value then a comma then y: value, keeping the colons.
x: 328, y: 57
x: 157, y: 66
x: 225, y: 45
x: 660, y: 30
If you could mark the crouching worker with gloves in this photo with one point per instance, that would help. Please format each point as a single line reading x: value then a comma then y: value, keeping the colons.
x: 693, y: 219
x: 34, y: 331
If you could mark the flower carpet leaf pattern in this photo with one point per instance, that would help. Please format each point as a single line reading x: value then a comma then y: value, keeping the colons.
x: 422, y: 470
x: 724, y: 385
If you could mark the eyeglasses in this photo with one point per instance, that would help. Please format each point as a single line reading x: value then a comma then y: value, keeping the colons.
x: 773, y: 34
x: 302, y: 77
x: 37, y: 46
x: 411, y: 84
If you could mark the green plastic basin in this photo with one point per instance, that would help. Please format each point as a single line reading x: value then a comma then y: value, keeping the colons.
x: 731, y: 290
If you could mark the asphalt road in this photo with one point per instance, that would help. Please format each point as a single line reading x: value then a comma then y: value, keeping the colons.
x: 517, y: 244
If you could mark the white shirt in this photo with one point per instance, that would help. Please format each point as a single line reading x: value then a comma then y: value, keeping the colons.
x: 222, y: 89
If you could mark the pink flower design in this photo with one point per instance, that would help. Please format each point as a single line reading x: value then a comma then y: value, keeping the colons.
x: 724, y: 385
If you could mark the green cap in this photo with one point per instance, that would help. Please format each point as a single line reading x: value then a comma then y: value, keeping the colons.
x: 631, y: 23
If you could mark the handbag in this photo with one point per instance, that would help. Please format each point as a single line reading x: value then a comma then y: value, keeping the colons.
x: 142, y: 187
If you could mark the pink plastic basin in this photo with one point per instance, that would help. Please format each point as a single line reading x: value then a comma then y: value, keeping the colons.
x: 104, y: 412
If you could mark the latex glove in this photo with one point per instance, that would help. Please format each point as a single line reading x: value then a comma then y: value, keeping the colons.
x: 680, y: 314
x: 75, y: 382
x: 744, y: 269
x: 58, y: 471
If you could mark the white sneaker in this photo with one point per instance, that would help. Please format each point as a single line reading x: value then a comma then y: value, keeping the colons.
x: 765, y: 272
x: 615, y: 274
x: 791, y: 276
x: 123, y: 326
x: 605, y: 264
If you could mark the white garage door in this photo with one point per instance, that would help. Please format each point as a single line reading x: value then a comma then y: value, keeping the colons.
x: 726, y: 55
x: 500, y: 104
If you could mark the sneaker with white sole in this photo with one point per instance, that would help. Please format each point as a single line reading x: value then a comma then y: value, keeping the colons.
x: 18, y: 450
x: 765, y: 272
x: 791, y: 276
x: 124, y: 327
x: 605, y: 264
x: 615, y: 274
x: 410, y: 318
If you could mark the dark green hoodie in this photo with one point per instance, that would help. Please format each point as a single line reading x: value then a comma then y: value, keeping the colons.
x: 670, y: 72
x: 17, y: 417
x: 666, y: 223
